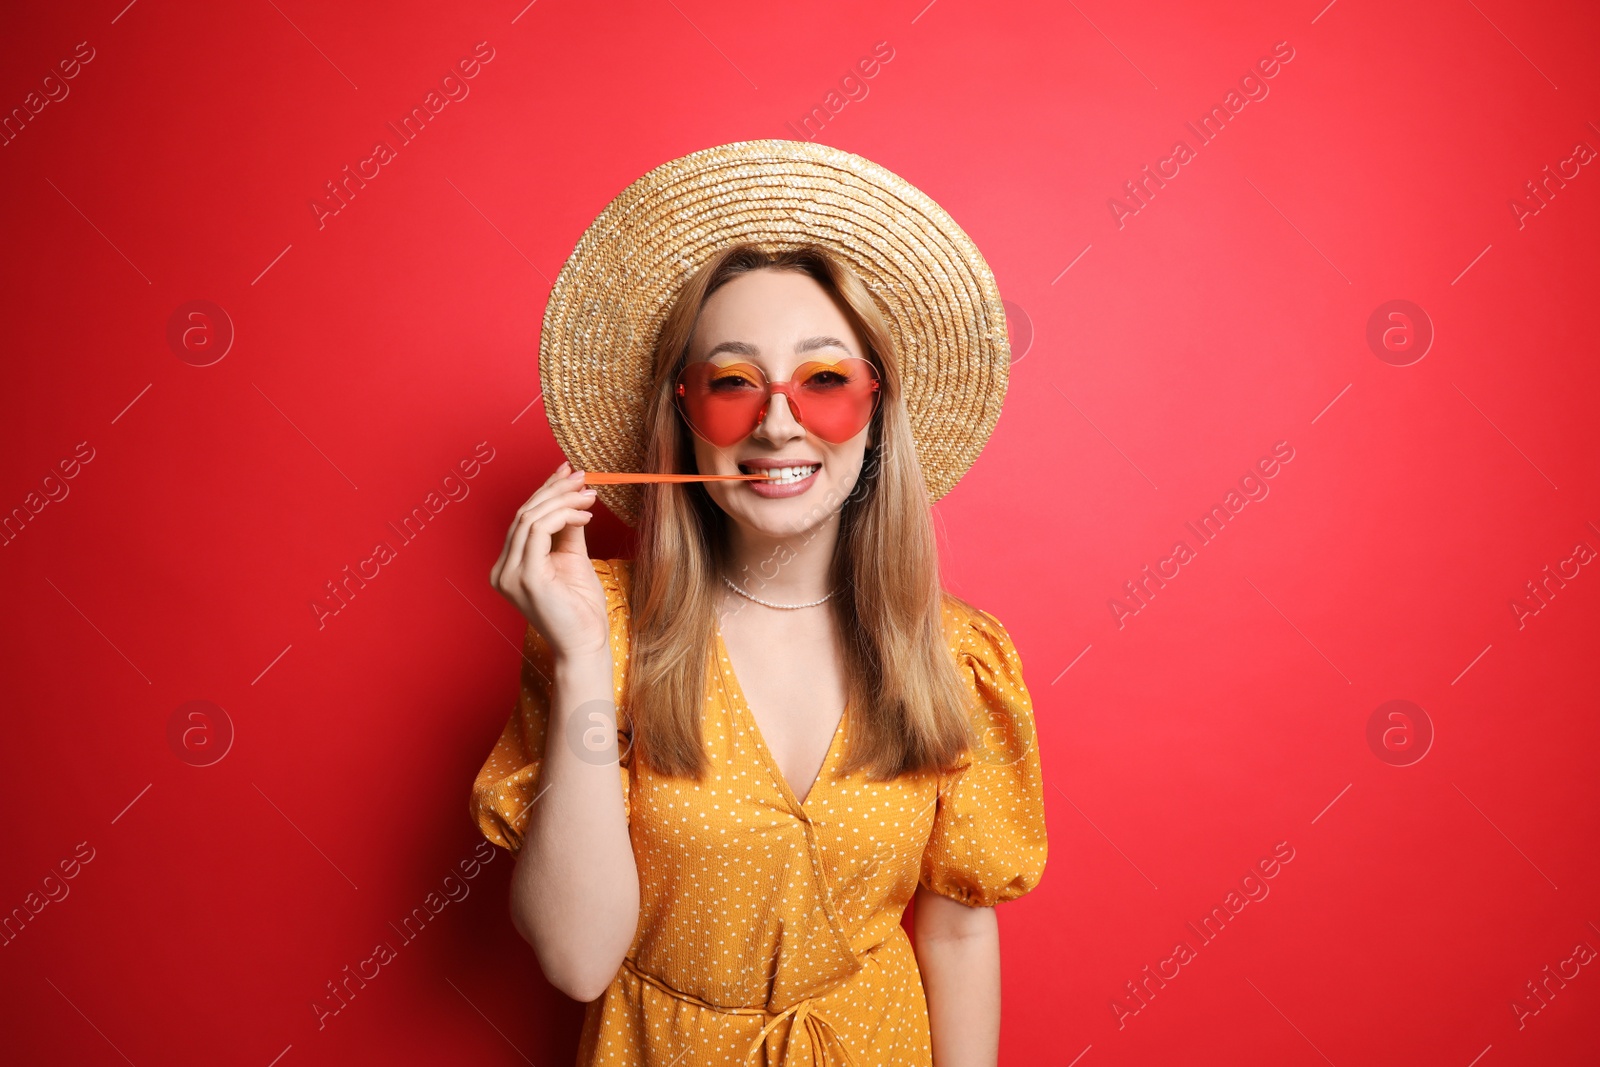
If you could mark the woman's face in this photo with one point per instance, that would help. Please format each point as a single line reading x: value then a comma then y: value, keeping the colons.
x: 778, y: 320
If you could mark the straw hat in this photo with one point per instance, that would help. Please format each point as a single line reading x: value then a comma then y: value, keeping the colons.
x: 612, y: 296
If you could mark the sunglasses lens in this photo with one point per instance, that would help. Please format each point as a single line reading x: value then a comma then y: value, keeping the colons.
x: 722, y: 403
x: 837, y: 399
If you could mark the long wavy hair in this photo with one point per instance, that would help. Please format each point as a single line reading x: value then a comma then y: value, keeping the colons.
x: 908, y: 706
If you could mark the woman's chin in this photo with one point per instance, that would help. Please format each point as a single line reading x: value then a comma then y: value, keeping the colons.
x: 781, y: 516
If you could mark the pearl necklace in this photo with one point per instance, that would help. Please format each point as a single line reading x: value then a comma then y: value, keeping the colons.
x: 770, y: 604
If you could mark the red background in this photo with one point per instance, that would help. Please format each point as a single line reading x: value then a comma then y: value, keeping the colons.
x: 1230, y: 313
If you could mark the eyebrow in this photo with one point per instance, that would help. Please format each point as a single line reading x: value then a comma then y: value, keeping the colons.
x: 810, y: 344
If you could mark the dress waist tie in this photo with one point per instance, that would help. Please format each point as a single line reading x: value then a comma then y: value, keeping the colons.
x: 820, y: 1033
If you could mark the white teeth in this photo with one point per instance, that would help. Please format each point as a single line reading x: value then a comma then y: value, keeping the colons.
x: 788, y: 475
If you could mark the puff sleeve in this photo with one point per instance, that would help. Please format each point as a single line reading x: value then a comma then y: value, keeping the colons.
x: 507, y: 785
x: 988, y: 839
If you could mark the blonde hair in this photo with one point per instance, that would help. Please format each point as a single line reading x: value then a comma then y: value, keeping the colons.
x: 908, y: 707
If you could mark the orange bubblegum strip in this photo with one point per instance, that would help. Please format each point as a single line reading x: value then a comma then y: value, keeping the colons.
x: 627, y: 478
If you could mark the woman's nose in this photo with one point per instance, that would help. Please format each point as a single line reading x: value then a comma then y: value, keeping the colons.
x: 779, y: 423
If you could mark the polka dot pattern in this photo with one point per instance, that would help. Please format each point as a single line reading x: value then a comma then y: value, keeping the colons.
x: 769, y: 931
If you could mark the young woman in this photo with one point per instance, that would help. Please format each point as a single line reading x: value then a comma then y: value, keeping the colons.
x: 811, y: 730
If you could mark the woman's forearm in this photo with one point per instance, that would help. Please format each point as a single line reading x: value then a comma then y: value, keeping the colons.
x: 960, y: 963
x: 575, y: 888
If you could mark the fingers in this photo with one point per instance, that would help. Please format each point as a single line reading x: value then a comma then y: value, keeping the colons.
x: 536, y: 504
x: 572, y: 499
x: 560, y: 473
x: 541, y: 533
x: 523, y: 548
x: 570, y: 537
x: 506, y: 549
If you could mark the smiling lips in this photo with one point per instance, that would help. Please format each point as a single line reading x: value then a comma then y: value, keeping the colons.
x: 781, y: 471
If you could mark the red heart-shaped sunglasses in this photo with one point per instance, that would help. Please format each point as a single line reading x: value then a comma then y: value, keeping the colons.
x: 724, y: 402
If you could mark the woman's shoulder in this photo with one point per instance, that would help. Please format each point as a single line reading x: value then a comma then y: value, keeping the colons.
x: 975, y: 634
x: 616, y: 578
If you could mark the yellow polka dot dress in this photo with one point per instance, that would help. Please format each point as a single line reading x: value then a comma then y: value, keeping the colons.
x: 769, y: 932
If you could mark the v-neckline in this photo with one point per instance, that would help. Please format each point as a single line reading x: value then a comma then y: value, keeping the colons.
x: 731, y: 677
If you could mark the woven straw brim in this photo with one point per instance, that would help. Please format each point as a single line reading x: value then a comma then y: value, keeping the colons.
x: 612, y: 296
